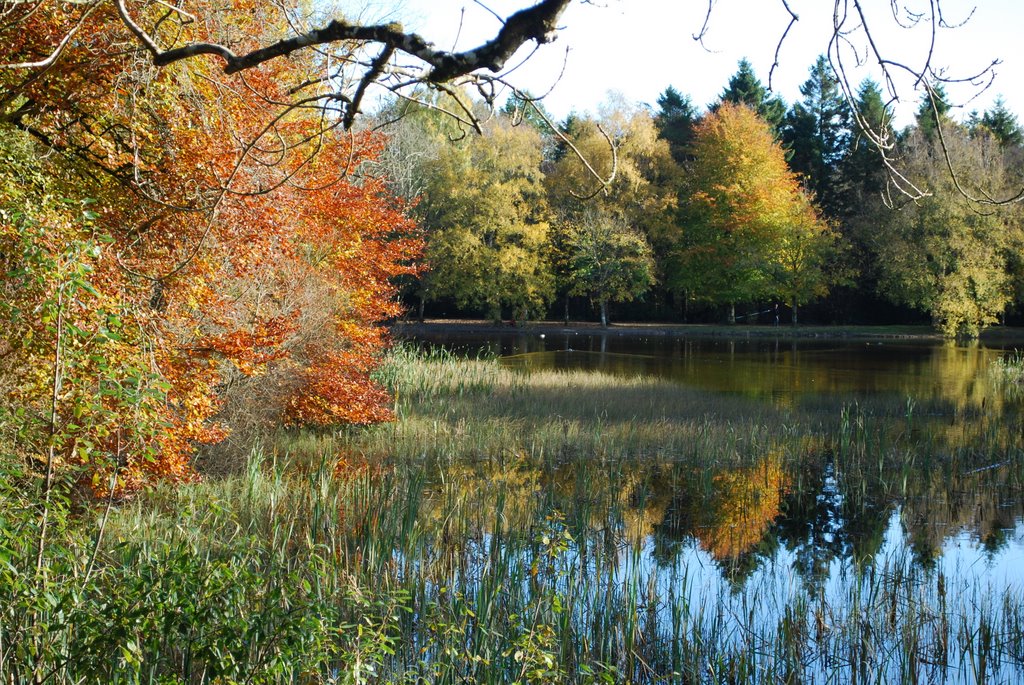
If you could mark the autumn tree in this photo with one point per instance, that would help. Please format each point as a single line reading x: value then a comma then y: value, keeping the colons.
x: 487, y: 222
x: 623, y: 142
x: 346, y: 58
x: 213, y: 249
x: 745, y: 222
x: 356, y: 55
x: 77, y: 384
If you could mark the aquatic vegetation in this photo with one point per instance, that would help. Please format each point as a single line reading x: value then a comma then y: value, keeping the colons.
x: 1008, y: 373
x: 574, y: 527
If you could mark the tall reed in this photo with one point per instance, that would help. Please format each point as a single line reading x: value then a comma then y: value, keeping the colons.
x: 545, y: 527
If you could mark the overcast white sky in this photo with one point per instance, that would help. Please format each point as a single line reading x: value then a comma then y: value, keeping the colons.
x: 639, y: 47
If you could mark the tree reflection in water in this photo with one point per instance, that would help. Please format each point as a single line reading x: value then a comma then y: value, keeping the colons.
x: 927, y: 436
x: 827, y: 507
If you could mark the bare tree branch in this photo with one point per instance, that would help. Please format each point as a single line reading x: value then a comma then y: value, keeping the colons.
x: 793, y: 18
x: 986, y: 198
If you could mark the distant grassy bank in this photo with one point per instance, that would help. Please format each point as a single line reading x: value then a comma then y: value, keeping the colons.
x: 893, y: 332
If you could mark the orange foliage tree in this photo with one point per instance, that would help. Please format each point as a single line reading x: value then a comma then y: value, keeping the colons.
x: 193, y: 236
x: 747, y: 229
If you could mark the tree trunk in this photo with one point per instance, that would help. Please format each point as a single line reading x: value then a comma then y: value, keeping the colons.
x: 794, y: 308
x: 732, y: 313
x: 604, y: 313
x: 567, y: 309
x: 423, y: 304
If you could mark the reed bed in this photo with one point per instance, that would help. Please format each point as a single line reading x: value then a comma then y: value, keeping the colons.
x: 540, y: 528
x: 1008, y: 374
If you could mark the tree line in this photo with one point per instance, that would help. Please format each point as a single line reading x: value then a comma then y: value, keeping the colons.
x: 747, y: 207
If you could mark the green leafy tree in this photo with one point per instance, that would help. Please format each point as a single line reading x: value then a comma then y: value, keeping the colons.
x: 805, y: 264
x: 608, y: 260
x: 486, y: 214
x: 943, y: 254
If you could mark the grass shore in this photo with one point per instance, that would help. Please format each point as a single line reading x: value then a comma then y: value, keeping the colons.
x: 889, y: 332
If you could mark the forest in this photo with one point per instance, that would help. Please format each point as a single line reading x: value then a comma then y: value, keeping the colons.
x: 188, y: 262
x: 747, y: 205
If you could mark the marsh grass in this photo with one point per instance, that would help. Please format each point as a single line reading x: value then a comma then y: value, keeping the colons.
x: 456, y: 410
x: 546, y: 527
x: 1008, y: 374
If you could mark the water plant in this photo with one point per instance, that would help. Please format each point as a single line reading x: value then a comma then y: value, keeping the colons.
x: 508, y: 529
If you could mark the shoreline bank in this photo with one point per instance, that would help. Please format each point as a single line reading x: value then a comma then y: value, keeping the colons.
x: 738, y: 331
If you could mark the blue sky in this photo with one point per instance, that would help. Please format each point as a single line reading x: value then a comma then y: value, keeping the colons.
x: 638, y: 47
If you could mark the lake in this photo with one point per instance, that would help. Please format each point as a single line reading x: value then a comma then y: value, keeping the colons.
x: 754, y: 366
x: 877, y: 487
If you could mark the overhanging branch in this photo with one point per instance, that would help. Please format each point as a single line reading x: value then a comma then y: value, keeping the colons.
x: 536, y: 23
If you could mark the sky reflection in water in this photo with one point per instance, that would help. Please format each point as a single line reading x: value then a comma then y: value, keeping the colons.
x: 972, y: 524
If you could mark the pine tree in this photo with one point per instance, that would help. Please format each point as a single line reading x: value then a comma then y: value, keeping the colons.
x: 862, y: 170
x: 860, y: 184
x: 934, y: 101
x: 675, y: 119
x: 1002, y: 124
x: 817, y: 133
x: 746, y: 89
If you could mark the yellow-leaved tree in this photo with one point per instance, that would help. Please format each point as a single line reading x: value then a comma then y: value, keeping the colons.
x: 486, y: 217
x: 945, y: 254
x: 604, y: 233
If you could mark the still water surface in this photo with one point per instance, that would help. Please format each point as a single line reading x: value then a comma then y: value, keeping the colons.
x: 954, y: 384
x: 956, y: 518
x: 755, y: 366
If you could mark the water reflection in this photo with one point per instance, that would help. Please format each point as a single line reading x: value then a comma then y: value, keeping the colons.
x: 801, y: 478
x: 743, y: 518
x: 733, y: 549
x: 961, y: 478
x: 784, y: 370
